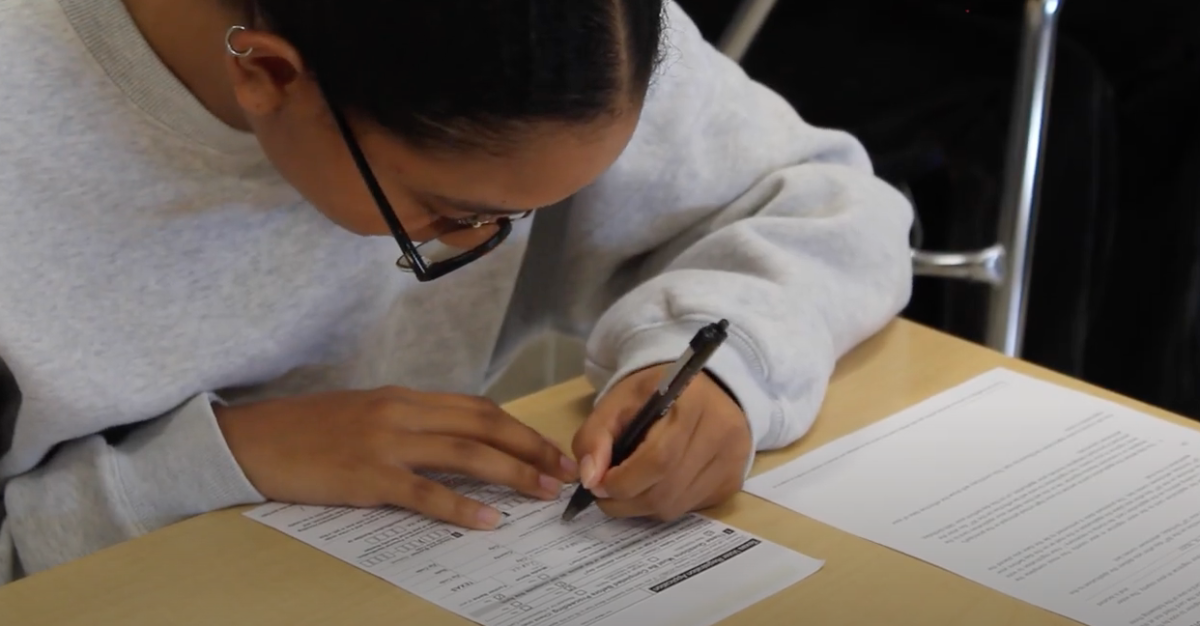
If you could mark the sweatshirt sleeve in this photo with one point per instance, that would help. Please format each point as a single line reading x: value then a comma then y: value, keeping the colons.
x: 92, y: 494
x: 726, y: 204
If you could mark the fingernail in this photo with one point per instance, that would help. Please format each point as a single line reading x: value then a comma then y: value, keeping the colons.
x: 549, y: 484
x: 569, y: 465
x: 587, y: 471
x: 488, y: 517
x: 599, y: 492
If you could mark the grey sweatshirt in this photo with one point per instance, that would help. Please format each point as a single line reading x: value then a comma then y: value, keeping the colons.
x: 152, y: 262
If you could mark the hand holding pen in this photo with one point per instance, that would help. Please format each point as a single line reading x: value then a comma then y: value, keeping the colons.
x: 664, y: 441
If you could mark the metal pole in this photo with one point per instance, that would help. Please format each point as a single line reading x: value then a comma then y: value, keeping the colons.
x: 981, y: 266
x: 747, y: 21
x: 1018, y: 207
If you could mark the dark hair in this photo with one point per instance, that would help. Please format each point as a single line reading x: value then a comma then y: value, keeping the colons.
x: 473, y: 73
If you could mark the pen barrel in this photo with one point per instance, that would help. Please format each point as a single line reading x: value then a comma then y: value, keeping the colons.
x: 677, y: 378
x: 700, y: 349
x: 641, y: 424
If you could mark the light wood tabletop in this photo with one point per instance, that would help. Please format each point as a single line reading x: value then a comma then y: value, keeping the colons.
x: 225, y: 569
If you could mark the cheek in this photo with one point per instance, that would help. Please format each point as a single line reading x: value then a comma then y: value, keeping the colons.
x: 321, y: 169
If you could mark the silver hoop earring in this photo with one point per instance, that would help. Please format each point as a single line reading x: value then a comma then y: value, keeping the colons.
x: 229, y: 43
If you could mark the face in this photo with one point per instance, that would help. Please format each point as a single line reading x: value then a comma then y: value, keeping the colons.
x: 428, y: 191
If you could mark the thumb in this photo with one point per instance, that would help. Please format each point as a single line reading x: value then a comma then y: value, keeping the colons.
x: 594, y: 441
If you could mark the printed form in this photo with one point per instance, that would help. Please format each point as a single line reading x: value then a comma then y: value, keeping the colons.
x: 536, y: 570
x: 1069, y: 502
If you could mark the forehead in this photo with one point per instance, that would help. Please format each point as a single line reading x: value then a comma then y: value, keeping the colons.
x: 551, y: 163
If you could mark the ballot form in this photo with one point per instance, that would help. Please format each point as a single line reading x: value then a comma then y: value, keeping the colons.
x: 537, y: 570
x: 1070, y: 502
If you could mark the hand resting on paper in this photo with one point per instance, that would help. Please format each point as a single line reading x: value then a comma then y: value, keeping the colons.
x: 693, y: 458
x: 364, y: 448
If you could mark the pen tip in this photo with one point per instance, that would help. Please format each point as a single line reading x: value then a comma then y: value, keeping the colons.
x: 569, y: 514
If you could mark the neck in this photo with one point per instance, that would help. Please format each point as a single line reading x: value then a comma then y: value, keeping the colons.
x: 189, y: 37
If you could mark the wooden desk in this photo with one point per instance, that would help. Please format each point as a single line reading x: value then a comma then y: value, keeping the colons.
x: 223, y: 569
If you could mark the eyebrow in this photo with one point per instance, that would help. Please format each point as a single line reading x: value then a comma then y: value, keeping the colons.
x: 475, y: 207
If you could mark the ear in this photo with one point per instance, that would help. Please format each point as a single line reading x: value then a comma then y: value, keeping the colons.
x: 268, y: 76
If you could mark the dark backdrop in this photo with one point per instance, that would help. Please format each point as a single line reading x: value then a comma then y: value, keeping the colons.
x: 927, y: 86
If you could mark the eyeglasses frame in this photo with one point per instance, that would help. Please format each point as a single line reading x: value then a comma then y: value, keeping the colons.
x: 422, y: 270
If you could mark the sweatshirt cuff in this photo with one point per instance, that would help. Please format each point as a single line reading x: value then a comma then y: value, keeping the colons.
x: 731, y: 365
x: 179, y: 466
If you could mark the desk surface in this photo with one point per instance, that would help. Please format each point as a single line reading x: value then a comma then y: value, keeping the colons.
x: 225, y: 569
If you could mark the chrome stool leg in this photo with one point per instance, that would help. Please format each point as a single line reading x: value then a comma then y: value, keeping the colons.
x: 1006, y: 265
x: 980, y: 266
x: 1023, y: 175
x: 747, y: 21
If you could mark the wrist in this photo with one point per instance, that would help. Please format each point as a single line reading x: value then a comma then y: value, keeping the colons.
x: 236, y: 427
x: 717, y: 380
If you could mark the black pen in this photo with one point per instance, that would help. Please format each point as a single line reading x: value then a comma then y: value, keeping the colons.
x: 676, y: 379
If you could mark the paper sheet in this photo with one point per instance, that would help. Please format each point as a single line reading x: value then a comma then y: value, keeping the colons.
x: 1072, y: 503
x: 536, y: 570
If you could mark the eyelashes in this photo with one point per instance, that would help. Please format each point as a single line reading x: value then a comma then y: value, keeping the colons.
x: 443, y: 223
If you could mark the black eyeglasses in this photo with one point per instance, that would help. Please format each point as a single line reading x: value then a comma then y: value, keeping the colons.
x: 434, y: 258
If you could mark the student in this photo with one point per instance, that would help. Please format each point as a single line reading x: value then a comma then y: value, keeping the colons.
x: 200, y: 298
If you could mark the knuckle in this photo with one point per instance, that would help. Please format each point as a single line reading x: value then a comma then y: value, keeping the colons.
x: 389, y: 396
x: 482, y: 427
x: 485, y: 422
x: 485, y: 407
x: 523, y: 439
x: 391, y: 391
x: 580, y: 448
x: 549, y: 451
x: 659, y: 456
x: 514, y: 473
x: 465, y: 450
x: 735, y: 431
x: 378, y: 411
x: 422, y: 492
x: 585, y: 438
x: 527, y: 477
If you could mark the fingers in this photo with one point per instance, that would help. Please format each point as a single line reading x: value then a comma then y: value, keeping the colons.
x: 661, y: 482
x: 409, y: 491
x: 661, y: 454
x: 593, y: 441
x: 482, y: 420
x: 668, y: 502
x: 468, y: 457
x: 693, y: 459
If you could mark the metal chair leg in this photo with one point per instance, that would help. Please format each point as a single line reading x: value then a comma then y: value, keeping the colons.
x: 980, y: 266
x: 747, y: 21
x: 1023, y: 175
x: 1007, y: 265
